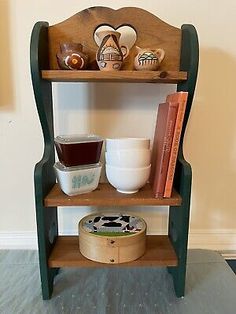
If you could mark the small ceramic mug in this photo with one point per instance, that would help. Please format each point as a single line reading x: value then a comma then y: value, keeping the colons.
x: 148, y: 59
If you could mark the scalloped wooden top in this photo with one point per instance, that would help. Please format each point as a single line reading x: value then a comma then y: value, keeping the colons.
x: 151, y: 32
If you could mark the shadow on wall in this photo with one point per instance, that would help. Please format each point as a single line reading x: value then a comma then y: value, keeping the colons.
x: 211, y: 139
x: 6, y: 90
x: 108, y: 109
x: 120, y: 110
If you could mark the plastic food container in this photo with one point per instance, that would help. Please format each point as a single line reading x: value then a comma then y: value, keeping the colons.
x: 75, y: 150
x: 78, y: 180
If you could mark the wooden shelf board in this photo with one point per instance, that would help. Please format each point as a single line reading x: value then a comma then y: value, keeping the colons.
x: 106, y: 195
x: 114, y: 76
x: 159, y: 252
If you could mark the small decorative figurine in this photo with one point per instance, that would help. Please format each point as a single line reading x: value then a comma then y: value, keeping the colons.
x: 148, y: 59
x: 110, y: 54
x: 71, y: 57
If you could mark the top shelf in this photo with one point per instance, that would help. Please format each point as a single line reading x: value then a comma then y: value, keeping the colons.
x: 171, y: 77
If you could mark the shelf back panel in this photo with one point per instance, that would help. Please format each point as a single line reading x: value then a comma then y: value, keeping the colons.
x: 151, y: 33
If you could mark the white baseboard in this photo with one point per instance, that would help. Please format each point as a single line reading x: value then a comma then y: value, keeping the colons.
x: 228, y: 254
x: 26, y: 240
x: 219, y: 240
x: 216, y: 239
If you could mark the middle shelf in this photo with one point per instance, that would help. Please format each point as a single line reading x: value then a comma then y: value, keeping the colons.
x: 106, y: 195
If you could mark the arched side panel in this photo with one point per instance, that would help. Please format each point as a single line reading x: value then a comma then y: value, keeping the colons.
x: 179, y: 216
x: 189, y: 62
x: 44, y: 177
x: 42, y: 88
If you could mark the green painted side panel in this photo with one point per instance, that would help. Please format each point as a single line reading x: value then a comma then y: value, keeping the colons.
x: 189, y: 62
x: 44, y: 176
x: 179, y: 216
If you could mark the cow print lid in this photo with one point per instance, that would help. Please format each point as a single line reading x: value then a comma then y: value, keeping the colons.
x: 114, y: 224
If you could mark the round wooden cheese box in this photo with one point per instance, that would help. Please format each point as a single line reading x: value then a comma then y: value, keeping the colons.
x: 112, y: 238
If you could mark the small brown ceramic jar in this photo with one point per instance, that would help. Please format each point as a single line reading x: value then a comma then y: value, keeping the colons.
x: 72, y: 57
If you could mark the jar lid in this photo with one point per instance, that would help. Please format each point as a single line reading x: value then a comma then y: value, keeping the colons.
x: 61, y: 167
x: 77, y: 138
x: 113, y: 224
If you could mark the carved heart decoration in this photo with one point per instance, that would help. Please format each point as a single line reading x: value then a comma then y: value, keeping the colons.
x: 128, y: 35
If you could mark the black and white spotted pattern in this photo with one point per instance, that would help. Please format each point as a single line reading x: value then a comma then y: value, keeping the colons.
x: 113, y: 223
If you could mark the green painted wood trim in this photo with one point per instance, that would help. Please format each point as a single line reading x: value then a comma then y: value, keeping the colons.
x: 44, y: 176
x: 179, y: 226
x: 179, y: 216
x: 189, y: 62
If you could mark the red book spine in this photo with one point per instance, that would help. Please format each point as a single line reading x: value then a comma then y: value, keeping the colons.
x: 181, y: 97
x: 163, y: 137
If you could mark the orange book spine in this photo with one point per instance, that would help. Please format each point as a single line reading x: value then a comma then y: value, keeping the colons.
x: 182, y: 99
x: 163, y: 149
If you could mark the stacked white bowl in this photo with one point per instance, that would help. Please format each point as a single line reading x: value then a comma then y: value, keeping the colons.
x: 128, y: 163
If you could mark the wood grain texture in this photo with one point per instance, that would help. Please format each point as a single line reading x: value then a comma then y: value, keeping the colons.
x: 111, y: 249
x: 114, y: 76
x: 106, y: 195
x: 151, y: 31
x: 159, y: 252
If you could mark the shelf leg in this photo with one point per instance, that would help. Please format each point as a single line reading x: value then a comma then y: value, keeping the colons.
x: 179, y: 225
x: 47, y: 221
x: 178, y: 239
x: 47, y: 234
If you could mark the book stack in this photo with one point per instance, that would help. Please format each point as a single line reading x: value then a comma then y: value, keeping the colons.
x: 166, y: 140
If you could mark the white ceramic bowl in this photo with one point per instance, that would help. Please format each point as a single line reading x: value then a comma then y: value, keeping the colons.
x: 128, y: 158
x: 78, y: 180
x: 127, y: 143
x: 127, y: 180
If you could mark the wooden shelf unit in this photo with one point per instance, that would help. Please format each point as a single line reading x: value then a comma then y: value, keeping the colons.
x: 106, y: 195
x: 66, y: 253
x: 179, y: 66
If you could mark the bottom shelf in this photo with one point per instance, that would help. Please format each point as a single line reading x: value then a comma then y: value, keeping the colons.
x: 66, y: 253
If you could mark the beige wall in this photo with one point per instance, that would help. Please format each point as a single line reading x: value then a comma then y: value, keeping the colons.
x: 210, y: 141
